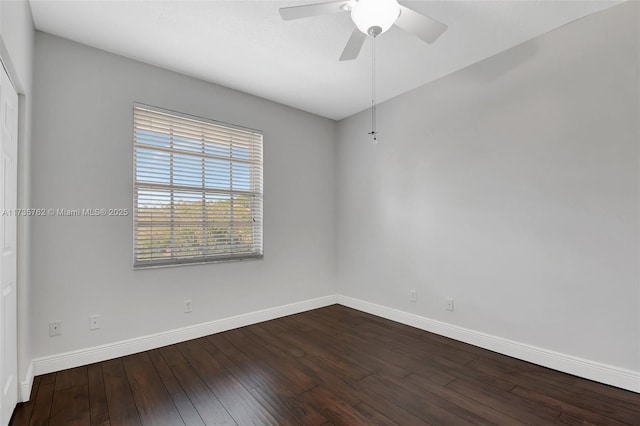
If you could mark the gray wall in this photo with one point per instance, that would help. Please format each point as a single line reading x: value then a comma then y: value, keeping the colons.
x: 512, y: 187
x: 82, y: 158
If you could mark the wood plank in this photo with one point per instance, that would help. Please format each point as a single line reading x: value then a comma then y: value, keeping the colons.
x: 354, y: 317
x: 97, y: 396
x: 120, y: 403
x: 266, y: 332
x: 618, y: 413
x: 334, y: 322
x: 614, y: 396
x: 395, y: 412
x: 571, y: 410
x: 277, y: 365
x: 172, y: 355
x: 440, y: 371
x: 325, y: 352
x: 44, y: 399
x: 153, y: 402
x: 567, y: 419
x: 287, y: 409
x: 70, y: 378
x: 547, y: 375
x: 237, y: 363
x: 512, y: 405
x: 269, y: 383
x: 182, y: 402
x: 416, y: 403
x: 373, y: 416
x: 436, y: 367
x: 242, y: 406
x: 318, y: 372
x: 312, y: 324
x: 333, y: 407
x: 447, y: 397
x: 340, y: 353
x: 208, y: 406
x: 476, y: 351
x: 22, y: 414
x: 270, y: 370
x: 71, y: 406
x: 372, y: 356
x: 417, y: 344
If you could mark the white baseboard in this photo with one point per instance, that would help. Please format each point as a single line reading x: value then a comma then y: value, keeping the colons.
x: 25, y: 386
x: 603, y: 373
x: 94, y: 354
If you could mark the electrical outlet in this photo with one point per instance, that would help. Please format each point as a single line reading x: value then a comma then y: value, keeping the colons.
x: 449, y: 304
x: 94, y: 322
x: 55, y: 328
x: 413, y: 296
x: 188, y: 306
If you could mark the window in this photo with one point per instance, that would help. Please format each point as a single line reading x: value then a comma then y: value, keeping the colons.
x: 197, y: 190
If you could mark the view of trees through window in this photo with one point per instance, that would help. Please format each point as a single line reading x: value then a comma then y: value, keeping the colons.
x: 198, y: 191
x: 196, y: 228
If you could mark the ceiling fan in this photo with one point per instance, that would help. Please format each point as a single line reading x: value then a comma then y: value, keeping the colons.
x: 372, y: 18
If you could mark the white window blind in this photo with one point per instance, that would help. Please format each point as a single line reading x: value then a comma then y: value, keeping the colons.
x: 197, y: 190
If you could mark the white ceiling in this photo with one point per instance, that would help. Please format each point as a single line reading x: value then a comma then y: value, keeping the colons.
x: 246, y: 46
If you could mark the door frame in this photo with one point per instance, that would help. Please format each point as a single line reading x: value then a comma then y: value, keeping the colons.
x: 16, y: 387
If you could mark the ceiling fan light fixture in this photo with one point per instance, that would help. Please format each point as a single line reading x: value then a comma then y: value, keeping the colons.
x: 369, y: 14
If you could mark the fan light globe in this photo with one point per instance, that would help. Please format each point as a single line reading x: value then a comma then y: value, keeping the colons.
x: 368, y: 14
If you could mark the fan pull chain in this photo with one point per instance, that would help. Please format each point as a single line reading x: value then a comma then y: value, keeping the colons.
x: 373, y: 131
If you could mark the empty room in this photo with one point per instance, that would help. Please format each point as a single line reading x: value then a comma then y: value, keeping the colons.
x: 307, y: 212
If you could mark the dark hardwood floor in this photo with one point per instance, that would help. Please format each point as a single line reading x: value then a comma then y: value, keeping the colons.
x: 332, y: 365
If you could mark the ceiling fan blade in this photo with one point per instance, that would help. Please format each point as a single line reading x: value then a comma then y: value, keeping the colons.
x: 306, y: 10
x: 352, y: 49
x: 421, y: 26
